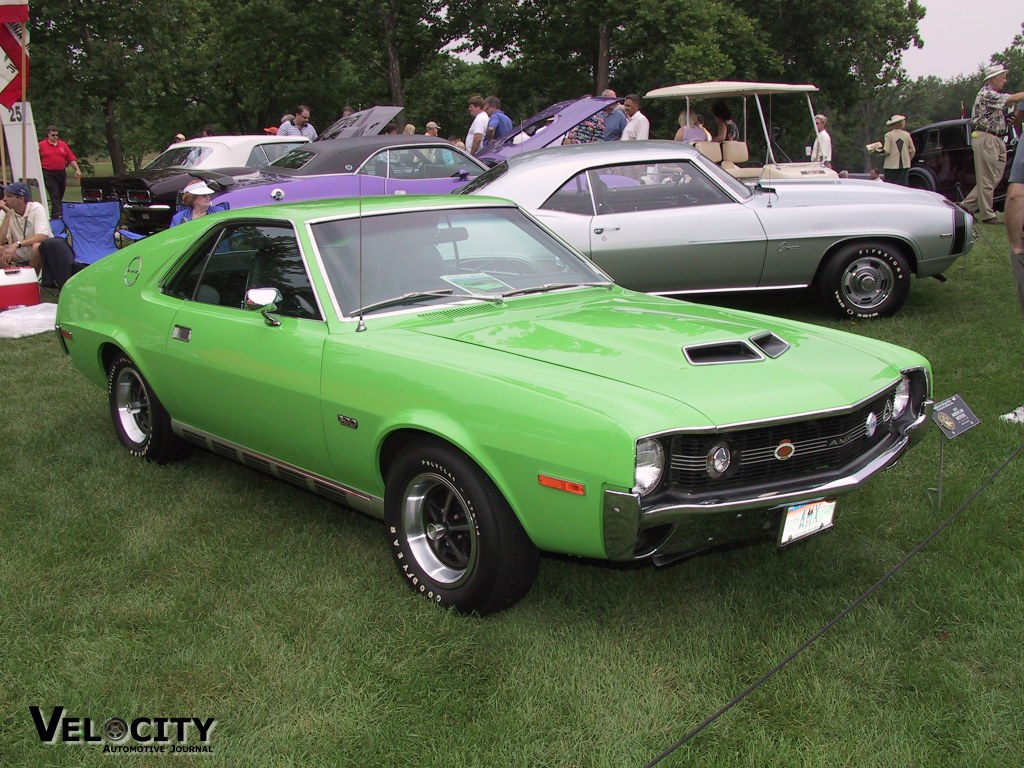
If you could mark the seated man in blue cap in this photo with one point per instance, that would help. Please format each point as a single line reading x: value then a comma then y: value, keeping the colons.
x: 28, y: 240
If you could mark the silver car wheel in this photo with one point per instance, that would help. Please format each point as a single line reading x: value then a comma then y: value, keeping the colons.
x: 439, y: 528
x: 132, y: 403
x: 867, y: 282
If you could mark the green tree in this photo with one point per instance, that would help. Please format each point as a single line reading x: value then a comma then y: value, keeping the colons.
x: 105, y: 63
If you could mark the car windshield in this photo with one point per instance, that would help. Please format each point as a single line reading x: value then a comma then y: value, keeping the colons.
x: 422, y: 257
x: 484, y: 179
x: 294, y: 160
x: 180, y: 157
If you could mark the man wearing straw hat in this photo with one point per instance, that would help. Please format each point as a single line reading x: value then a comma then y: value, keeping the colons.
x: 988, y: 119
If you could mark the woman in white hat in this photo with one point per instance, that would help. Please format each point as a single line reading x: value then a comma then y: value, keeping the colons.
x: 899, y: 151
x: 197, y: 201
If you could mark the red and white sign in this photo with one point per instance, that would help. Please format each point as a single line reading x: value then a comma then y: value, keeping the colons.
x: 13, y: 10
x: 13, y: 81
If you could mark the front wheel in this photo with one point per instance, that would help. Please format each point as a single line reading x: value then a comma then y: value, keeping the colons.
x: 865, y: 280
x: 454, y: 538
x: 140, y: 421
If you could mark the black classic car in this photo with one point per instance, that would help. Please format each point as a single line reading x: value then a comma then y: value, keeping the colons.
x: 149, y: 196
x: 944, y: 162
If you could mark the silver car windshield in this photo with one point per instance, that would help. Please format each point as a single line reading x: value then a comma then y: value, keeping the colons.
x: 416, y: 257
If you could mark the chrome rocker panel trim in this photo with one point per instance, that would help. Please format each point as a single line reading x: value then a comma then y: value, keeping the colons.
x: 321, y: 486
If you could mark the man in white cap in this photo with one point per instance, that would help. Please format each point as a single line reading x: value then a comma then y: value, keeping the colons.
x: 988, y: 120
x: 432, y: 129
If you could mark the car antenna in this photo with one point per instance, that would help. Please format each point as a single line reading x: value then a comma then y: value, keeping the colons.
x: 361, y: 325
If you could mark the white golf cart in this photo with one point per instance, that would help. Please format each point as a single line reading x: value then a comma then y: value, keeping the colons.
x: 730, y: 155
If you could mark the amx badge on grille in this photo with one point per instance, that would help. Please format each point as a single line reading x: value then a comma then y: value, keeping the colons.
x: 784, y: 450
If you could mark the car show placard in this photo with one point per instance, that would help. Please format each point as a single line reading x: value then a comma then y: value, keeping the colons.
x: 954, y: 417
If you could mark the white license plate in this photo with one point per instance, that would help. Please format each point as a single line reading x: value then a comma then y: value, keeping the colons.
x: 802, y: 520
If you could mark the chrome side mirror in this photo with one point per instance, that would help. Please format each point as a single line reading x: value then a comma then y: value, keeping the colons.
x: 264, y: 300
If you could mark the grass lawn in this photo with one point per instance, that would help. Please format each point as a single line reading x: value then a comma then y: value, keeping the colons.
x: 203, y: 589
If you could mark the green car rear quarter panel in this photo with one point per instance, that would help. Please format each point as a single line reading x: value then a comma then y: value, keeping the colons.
x: 559, y: 384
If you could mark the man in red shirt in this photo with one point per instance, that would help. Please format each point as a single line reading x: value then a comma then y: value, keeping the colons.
x: 55, y: 156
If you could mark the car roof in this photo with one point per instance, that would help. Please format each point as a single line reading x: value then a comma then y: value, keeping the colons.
x: 239, y: 140
x: 346, y: 155
x: 603, y: 152
x: 312, y: 210
x: 726, y: 88
x: 942, y: 124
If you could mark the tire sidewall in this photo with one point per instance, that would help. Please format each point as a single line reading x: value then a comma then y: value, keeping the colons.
x: 901, y: 280
x: 139, y: 450
x: 472, y: 590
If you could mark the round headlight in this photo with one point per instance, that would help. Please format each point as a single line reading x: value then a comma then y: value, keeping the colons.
x: 650, y: 464
x: 718, y: 460
x: 901, y: 399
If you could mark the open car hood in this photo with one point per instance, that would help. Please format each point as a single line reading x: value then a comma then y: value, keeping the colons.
x: 564, y: 116
x: 368, y: 122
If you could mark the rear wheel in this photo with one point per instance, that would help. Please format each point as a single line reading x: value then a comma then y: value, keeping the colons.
x: 921, y: 180
x: 454, y: 538
x: 140, y: 421
x: 865, y: 280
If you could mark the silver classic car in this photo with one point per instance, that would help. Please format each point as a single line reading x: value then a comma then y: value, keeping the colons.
x: 660, y: 217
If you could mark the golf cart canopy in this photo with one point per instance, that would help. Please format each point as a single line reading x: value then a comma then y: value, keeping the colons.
x: 720, y: 88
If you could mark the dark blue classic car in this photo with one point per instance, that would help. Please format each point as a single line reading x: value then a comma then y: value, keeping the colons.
x: 944, y: 162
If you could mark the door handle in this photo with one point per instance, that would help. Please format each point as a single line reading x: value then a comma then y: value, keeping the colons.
x: 602, y: 230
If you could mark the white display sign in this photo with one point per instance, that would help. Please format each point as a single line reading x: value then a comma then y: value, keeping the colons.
x: 23, y: 163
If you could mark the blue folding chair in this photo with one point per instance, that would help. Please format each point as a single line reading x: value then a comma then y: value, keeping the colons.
x: 58, y: 228
x: 92, y: 227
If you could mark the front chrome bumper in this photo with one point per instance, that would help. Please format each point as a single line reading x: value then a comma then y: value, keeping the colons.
x: 696, y: 526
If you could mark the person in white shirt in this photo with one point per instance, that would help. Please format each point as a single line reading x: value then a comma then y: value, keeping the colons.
x: 478, y: 128
x: 638, y: 127
x: 23, y: 226
x: 821, y: 152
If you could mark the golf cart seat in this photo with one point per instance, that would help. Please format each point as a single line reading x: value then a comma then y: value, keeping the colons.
x: 734, y: 153
x: 712, y: 150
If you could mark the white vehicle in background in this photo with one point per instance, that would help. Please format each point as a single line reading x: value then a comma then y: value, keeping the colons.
x: 731, y: 155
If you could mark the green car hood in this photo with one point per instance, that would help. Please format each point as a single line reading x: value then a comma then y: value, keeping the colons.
x: 639, y: 340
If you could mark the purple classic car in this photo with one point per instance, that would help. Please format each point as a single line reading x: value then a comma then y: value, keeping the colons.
x: 367, y: 165
x: 547, y: 128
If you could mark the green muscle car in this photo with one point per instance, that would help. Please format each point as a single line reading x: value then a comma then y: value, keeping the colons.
x: 450, y: 366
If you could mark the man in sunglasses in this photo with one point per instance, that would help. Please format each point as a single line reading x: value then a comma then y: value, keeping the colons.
x: 55, y: 156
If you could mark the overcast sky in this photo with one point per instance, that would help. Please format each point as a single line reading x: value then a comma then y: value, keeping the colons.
x: 959, y: 36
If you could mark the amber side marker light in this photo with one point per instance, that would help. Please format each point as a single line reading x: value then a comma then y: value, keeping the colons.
x: 561, y: 485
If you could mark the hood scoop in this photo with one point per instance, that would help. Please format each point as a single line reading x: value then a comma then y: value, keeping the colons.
x: 754, y: 350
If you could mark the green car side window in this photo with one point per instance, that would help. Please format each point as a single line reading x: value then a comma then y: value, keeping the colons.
x: 240, y: 257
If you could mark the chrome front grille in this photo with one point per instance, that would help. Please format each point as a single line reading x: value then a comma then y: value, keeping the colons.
x: 820, y: 447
